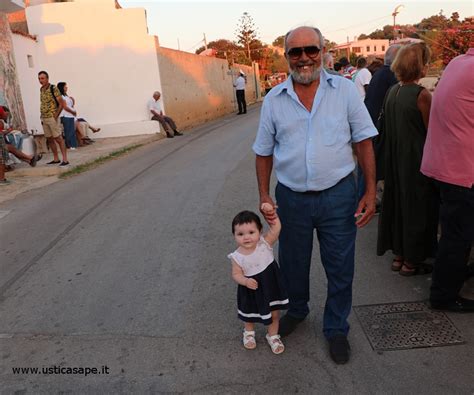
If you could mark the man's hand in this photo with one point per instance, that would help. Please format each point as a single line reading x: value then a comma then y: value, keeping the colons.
x: 268, y: 209
x: 366, y: 210
x: 251, y: 284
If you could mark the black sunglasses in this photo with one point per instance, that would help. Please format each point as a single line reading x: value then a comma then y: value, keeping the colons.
x: 311, y: 51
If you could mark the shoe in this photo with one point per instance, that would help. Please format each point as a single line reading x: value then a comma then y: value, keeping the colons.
x: 245, y: 112
x: 275, y: 343
x: 339, y: 349
x: 63, y: 164
x: 176, y: 133
x: 396, y: 264
x: 33, y: 161
x: 249, y: 340
x: 169, y: 135
x: 72, y: 148
x: 460, y: 305
x: 239, y: 113
x: 5, y: 182
x: 288, y: 324
x: 408, y: 270
x: 54, y: 162
x: 39, y: 157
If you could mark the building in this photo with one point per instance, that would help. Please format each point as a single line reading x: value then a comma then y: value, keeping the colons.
x: 111, y: 68
x: 366, y: 48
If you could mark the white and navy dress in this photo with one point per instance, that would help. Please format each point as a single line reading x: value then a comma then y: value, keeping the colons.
x: 257, y: 305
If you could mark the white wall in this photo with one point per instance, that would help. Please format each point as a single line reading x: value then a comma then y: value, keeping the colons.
x: 27, y: 76
x: 104, y: 54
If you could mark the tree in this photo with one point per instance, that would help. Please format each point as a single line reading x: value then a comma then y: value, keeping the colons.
x: 279, y: 42
x: 222, y: 46
x: 457, y: 40
x: 246, y: 32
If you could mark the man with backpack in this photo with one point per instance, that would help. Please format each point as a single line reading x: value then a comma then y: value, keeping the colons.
x: 51, y: 106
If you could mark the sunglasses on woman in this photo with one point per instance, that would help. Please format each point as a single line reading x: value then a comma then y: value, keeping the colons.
x: 311, y: 51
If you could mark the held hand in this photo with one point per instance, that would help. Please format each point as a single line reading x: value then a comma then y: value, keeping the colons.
x: 268, y: 209
x: 366, y: 210
x: 251, y: 284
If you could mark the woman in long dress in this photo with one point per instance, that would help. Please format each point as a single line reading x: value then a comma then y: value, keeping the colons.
x: 409, y: 214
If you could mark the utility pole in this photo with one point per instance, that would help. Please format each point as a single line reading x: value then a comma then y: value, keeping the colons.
x: 396, y: 11
x: 205, y: 41
x: 179, y: 48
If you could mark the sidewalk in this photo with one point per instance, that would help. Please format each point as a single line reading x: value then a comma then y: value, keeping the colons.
x: 26, y: 178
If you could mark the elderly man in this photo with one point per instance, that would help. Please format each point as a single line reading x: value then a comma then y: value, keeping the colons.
x: 381, y: 81
x: 307, y: 127
x: 239, y: 86
x: 156, y: 111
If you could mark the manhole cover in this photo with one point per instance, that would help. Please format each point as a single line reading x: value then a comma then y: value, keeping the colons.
x: 399, y: 326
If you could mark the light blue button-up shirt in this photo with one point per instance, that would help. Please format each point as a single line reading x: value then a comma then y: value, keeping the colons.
x: 312, y: 150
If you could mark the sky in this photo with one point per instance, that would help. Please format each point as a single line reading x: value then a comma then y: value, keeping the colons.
x: 182, y: 24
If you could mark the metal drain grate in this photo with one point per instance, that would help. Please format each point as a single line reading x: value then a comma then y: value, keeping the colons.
x: 399, y: 326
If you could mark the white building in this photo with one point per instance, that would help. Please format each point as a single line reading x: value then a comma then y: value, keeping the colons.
x: 365, y: 48
x: 103, y: 53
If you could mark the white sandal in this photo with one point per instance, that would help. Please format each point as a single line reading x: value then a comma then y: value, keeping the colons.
x: 249, y: 340
x: 275, y: 343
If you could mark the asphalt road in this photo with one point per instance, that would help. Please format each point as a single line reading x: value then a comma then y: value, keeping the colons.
x: 125, y: 267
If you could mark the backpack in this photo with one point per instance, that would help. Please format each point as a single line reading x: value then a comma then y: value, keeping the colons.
x: 51, y: 89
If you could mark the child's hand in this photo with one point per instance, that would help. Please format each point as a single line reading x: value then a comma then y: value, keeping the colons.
x: 267, y: 208
x: 251, y: 284
x: 269, y: 212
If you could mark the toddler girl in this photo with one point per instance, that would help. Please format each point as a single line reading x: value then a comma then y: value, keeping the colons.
x: 260, y: 293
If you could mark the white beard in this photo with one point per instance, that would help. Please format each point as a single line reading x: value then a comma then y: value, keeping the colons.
x: 305, y: 78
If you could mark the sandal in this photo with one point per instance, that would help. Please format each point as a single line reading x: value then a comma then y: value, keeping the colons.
x: 409, y: 270
x: 397, y: 264
x: 249, y: 340
x: 275, y: 343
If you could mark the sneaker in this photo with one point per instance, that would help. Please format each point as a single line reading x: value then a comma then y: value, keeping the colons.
x: 176, y: 133
x: 5, y: 182
x: 72, y: 148
x: 339, y: 349
x: 54, y: 162
x: 63, y: 164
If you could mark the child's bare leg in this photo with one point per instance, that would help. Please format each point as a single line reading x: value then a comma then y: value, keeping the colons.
x: 274, y: 326
x: 249, y: 326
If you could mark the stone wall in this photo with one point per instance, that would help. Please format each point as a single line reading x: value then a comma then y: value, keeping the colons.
x: 197, y: 89
x: 10, y: 94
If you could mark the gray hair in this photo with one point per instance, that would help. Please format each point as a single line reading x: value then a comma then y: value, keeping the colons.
x: 318, y: 32
x: 328, y: 60
x: 390, y: 54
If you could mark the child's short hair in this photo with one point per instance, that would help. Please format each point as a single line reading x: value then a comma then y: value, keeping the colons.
x: 246, y: 217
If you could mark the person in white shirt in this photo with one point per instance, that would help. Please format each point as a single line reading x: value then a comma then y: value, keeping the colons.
x: 239, y: 86
x: 68, y: 117
x: 157, y: 115
x: 362, y: 77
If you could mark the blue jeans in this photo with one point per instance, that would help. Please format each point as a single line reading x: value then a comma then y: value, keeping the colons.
x: 331, y: 213
x: 69, y: 131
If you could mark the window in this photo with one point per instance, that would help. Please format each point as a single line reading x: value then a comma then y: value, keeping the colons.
x: 30, y: 61
x: 356, y: 49
x: 383, y: 48
x: 375, y: 48
x: 368, y: 48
